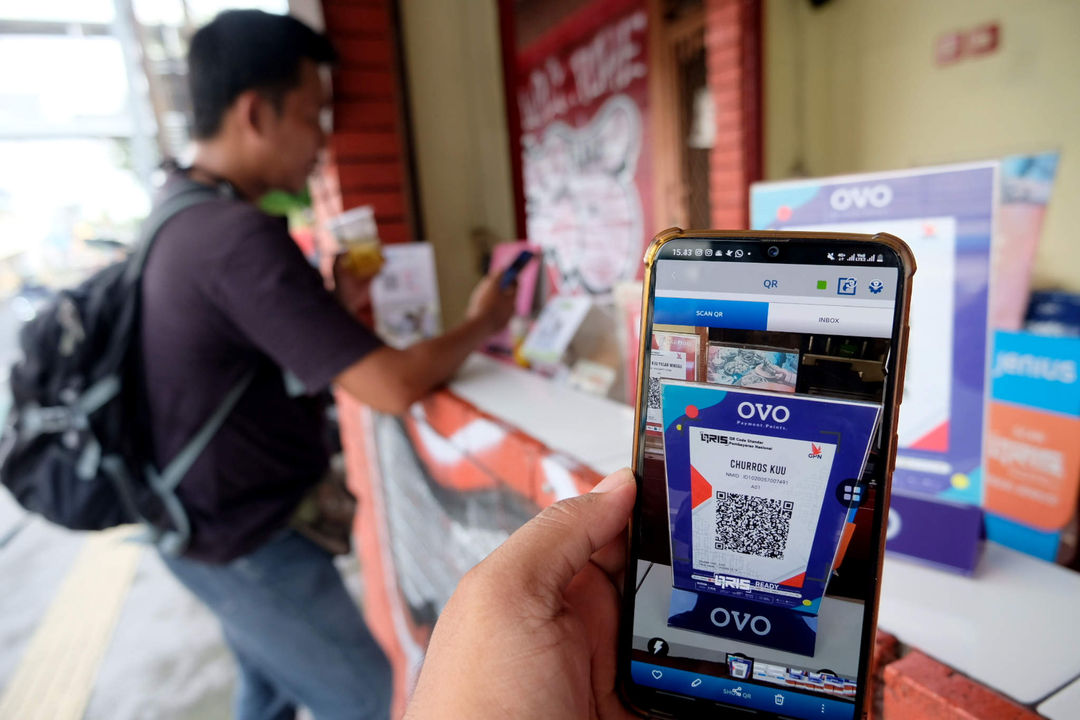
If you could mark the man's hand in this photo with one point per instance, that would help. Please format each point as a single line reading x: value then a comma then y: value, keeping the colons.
x: 389, y: 379
x: 531, y: 631
x: 491, y: 305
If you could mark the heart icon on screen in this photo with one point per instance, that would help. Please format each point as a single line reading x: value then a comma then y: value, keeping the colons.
x: 657, y: 674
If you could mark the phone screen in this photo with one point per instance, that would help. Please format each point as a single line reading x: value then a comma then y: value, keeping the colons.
x: 767, y: 401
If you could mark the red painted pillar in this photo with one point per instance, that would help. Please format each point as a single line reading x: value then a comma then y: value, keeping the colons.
x: 369, y: 148
x: 733, y: 66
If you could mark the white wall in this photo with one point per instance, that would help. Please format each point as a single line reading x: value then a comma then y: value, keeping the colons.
x: 454, y: 76
x: 853, y: 86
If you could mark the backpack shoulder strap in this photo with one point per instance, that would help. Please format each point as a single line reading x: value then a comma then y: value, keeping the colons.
x: 174, y: 542
x: 164, y: 483
x: 169, y: 478
x: 188, y: 195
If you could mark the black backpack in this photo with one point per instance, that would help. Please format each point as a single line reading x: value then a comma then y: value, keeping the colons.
x: 75, y: 446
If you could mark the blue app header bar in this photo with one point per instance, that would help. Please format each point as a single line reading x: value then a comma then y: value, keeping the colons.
x: 775, y: 316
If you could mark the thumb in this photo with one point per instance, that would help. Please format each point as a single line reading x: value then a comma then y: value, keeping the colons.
x: 548, y: 551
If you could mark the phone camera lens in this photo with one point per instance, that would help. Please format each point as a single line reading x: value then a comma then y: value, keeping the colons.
x: 773, y: 251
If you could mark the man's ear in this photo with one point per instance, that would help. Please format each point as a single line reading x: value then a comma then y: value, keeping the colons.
x: 251, y: 108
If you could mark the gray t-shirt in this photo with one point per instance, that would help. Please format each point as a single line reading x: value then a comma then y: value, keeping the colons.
x: 227, y: 291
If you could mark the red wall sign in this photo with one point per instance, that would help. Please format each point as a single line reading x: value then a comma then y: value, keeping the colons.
x: 958, y: 44
x: 583, y: 98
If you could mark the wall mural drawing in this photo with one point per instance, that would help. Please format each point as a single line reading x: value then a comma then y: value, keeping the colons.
x: 587, y: 175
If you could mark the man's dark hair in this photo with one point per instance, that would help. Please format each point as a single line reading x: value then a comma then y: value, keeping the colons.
x: 243, y: 50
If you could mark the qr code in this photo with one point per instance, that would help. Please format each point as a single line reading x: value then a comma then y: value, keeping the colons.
x: 752, y: 525
x: 654, y: 393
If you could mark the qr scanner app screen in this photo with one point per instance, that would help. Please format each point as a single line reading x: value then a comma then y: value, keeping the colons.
x: 763, y: 457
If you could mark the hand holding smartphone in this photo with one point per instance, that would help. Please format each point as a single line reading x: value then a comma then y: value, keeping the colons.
x: 770, y: 375
x: 510, y: 274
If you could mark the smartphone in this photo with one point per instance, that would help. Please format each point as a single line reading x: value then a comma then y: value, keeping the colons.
x: 510, y: 274
x: 770, y: 374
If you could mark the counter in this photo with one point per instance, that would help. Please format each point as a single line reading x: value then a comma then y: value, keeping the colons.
x: 442, y: 486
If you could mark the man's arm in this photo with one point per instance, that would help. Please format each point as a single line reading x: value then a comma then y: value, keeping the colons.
x: 391, y: 380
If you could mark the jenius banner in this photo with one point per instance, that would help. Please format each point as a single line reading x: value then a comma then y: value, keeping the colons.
x: 1032, y: 458
x: 760, y: 486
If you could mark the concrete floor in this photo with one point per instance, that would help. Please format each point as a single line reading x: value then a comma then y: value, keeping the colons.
x: 165, y: 659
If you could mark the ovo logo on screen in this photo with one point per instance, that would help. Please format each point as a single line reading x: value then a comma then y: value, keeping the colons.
x: 878, y: 196
x: 759, y: 624
x: 775, y: 413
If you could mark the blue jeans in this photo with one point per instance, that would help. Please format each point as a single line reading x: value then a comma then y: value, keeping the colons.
x: 296, y: 633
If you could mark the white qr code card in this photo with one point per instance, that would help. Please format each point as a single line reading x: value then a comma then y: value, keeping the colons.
x: 765, y: 496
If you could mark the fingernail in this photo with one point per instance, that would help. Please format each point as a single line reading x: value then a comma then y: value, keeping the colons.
x: 615, y: 480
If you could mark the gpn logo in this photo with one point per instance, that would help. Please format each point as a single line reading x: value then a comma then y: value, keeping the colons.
x: 815, y: 452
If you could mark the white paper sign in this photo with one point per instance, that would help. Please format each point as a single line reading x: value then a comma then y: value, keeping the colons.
x: 554, y: 330
x: 663, y: 365
x: 405, y: 294
x: 766, y: 499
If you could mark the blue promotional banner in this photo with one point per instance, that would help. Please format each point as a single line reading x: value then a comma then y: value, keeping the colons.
x: 1037, y: 371
x: 1032, y: 455
x: 946, y: 216
x: 745, y: 620
x: 760, y: 486
x: 938, y: 532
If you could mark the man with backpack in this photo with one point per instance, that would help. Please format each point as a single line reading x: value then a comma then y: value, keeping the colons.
x: 230, y: 307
